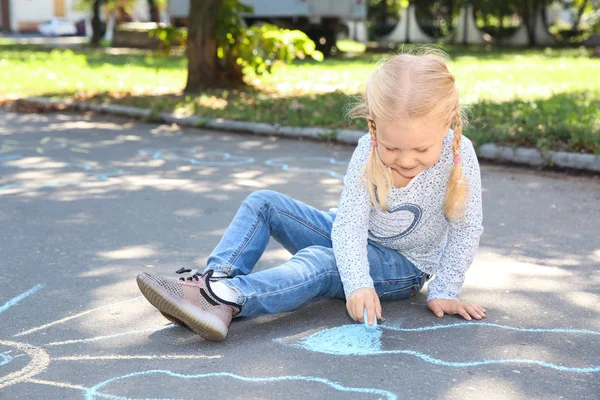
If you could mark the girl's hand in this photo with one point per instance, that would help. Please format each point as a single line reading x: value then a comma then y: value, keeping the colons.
x: 451, y: 307
x: 359, y: 300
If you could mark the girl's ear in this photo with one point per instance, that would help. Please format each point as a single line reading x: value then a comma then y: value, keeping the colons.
x: 446, y: 129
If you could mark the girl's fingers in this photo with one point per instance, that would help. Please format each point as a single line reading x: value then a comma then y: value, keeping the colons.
x: 359, y: 312
x: 370, y: 307
x: 476, y: 311
x: 378, y: 309
x: 435, y: 308
x: 472, y: 311
x: 464, y: 313
x: 350, y: 310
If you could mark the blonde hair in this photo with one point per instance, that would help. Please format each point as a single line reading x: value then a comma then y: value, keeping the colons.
x: 415, y: 84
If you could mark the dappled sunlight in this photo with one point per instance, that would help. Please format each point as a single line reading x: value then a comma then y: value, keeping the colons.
x: 231, y: 187
x: 80, y: 218
x: 330, y: 182
x: 275, y: 256
x: 251, y: 144
x: 249, y: 174
x: 41, y: 172
x: 89, y: 334
x: 590, y: 301
x: 212, y: 102
x: 103, y: 271
x: 215, y: 232
x: 498, y: 272
x: 216, y: 195
x: 333, y: 84
x: 250, y: 183
x: 190, y: 212
x: 171, y: 130
x: 596, y: 255
x: 129, y: 253
x: 482, y: 385
x: 105, y: 190
x: 139, y: 182
x: 77, y: 123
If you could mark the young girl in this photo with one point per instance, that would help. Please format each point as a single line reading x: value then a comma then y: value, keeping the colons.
x: 410, y: 209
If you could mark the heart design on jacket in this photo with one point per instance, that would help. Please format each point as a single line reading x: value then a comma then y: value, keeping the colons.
x: 383, y: 227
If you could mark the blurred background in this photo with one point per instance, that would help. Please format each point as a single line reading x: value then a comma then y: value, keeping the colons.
x: 528, y: 69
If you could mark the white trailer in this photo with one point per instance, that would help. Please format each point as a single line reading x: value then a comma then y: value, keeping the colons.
x: 321, y: 20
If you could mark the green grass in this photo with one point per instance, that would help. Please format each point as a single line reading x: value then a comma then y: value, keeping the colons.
x: 548, y: 99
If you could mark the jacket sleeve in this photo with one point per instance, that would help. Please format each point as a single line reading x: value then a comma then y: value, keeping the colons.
x: 351, y: 225
x: 463, y: 238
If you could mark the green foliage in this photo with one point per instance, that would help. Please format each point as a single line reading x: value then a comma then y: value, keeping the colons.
x: 585, y: 21
x: 382, y: 15
x: 257, y: 48
x: 253, y: 49
x: 436, y: 17
x: 111, y: 5
x: 230, y: 24
x: 169, y: 37
x: 546, y: 99
x: 563, y: 122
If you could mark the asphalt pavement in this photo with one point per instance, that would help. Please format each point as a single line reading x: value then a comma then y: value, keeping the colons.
x: 87, y: 202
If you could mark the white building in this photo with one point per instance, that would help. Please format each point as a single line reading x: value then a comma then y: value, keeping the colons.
x: 26, y: 15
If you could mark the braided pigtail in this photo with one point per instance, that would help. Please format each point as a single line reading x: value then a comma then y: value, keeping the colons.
x: 458, y: 188
x: 379, y: 178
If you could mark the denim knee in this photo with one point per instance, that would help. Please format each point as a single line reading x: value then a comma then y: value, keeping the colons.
x: 321, y: 258
x: 259, y: 198
x: 324, y: 268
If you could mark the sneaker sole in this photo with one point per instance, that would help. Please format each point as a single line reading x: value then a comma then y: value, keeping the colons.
x: 174, y: 320
x: 201, y: 322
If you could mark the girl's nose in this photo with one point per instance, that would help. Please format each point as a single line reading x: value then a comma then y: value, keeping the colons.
x: 405, y: 163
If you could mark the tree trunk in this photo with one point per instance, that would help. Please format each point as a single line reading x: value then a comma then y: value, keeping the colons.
x: 529, y: 14
x: 575, y: 27
x: 202, y: 45
x: 96, y: 23
x: 382, y: 19
x: 154, y: 14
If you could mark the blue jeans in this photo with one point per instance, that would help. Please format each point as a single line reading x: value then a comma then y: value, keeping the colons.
x: 312, y: 272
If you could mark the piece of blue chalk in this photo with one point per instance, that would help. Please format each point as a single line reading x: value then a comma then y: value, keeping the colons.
x: 367, y: 321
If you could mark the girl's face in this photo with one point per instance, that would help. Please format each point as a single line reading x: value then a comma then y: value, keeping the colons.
x: 409, y: 147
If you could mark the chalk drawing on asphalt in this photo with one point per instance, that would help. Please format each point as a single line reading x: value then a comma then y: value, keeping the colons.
x: 40, y: 358
x: 365, y: 393
x: 50, y: 173
x: 52, y: 143
x: 356, y: 340
x: 318, y: 165
x: 196, y: 157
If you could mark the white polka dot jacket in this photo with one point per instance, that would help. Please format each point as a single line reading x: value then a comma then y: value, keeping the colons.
x: 414, y: 225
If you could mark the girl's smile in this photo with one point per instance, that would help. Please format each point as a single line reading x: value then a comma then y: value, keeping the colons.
x: 409, y: 146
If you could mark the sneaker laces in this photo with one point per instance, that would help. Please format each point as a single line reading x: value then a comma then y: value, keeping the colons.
x: 195, y: 276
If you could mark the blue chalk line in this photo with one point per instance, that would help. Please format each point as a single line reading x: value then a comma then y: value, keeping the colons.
x: 97, y: 177
x: 92, y: 393
x: 228, y: 159
x: 20, y: 297
x: 474, y: 324
x: 283, y: 164
x: 116, y: 335
x: 358, y: 341
x: 5, y: 359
